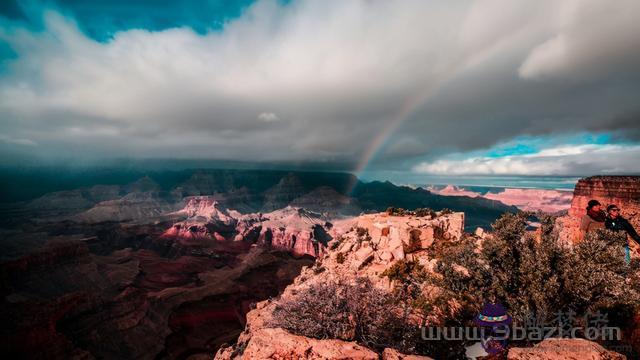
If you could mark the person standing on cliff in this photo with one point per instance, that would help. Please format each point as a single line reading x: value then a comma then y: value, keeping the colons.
x: 615, y: 222
x: 593, y: 219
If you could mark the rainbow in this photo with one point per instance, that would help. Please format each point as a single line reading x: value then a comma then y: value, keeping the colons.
x: 409, y: 106
x: 379, y: 141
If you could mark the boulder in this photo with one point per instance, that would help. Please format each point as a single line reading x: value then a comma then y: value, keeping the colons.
x: 386, y: 256
x: 392, y: 354
x: 279, y: 344
x: 362, y: 257
x: 556, y: 349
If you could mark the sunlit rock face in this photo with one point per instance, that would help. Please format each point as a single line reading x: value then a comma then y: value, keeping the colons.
x: 293, y: 230
x: 398, y: 235
x: 279, y: 344
x: 362, y: 247
x: 623, y: 191
x: 206, y: 221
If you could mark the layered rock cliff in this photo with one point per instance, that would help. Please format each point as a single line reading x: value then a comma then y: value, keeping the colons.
x: 623, y: 191
x: 293, y: 230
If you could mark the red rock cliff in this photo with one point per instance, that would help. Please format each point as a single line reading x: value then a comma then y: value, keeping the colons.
x: 623, y: 191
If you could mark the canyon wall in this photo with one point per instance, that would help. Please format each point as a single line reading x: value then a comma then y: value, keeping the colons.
x: 623, y: 191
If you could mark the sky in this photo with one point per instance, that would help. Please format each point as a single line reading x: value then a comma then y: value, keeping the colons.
x: 411, y: 88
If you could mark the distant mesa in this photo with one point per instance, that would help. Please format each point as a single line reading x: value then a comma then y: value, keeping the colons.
x: 546, y: 200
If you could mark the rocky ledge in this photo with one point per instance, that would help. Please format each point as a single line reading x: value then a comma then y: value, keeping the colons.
x: 556, y: 349
x: 372, y: 244
x: 623, y: 191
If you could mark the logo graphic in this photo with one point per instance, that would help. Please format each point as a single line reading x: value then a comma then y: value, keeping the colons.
x: 494, y: 322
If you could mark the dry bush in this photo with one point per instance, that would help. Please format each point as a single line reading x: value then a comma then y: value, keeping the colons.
x: 343, y: 310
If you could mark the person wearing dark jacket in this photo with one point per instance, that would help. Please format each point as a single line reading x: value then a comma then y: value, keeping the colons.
x: 593, y: 219
x: 615, y: 222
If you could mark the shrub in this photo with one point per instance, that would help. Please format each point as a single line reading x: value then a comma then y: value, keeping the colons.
x: 397, y: 211
x: 338, y: 309
x: 336, y: 244
x: 363, y: 234
x: 406, y: 272
x: 362, y: 231
x: 340, y: 258
x: 539, y: 278
x: 446, y: 211
x: 423, y: 212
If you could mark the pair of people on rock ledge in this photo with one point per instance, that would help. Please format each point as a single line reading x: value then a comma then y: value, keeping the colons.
x: 596, y: 218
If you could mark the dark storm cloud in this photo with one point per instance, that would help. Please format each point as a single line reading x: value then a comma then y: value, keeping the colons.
x: 318, y: 81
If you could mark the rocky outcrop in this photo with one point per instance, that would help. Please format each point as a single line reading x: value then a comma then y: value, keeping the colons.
x: 279, y: 344
x: 206, y: 222
x: 557, y: 349
x: 292, y: 230
x: 295, y: 230
x: 623, y: 191
x: 392, y: 354
x: 362, y: 248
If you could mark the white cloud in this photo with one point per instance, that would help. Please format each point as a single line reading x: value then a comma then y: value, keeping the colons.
x: 561, y: 160
x: 590, y: 39
x: 17, y: 141
x: 268, y: 117
x: 331, y: 74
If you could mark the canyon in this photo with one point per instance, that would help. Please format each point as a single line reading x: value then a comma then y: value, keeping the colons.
x: 167, y: 266
x: 192, y: 267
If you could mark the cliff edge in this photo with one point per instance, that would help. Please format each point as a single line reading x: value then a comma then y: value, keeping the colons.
x: 623, y: 191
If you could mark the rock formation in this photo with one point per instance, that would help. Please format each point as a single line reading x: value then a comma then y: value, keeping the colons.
x: 291, y: 230
x: 556, y: 349
x: 623, y: 191
x: 365, y: 247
